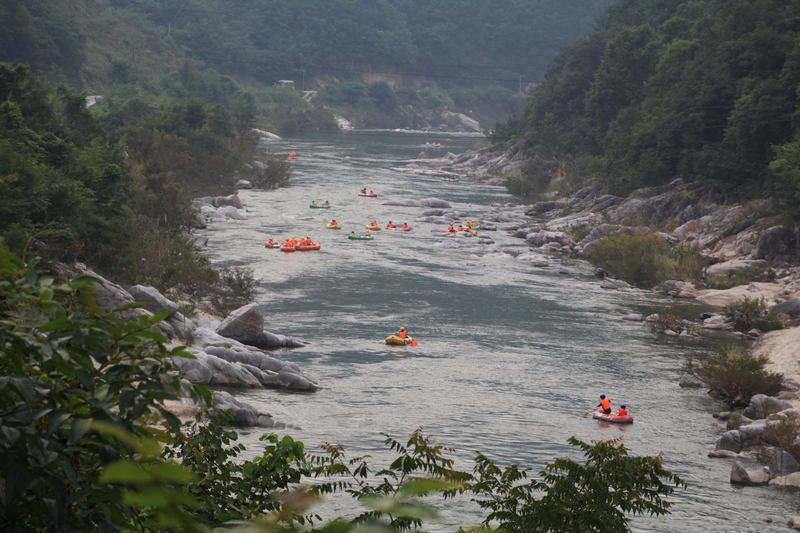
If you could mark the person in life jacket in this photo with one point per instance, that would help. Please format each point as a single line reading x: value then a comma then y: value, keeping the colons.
x: 460, y: 228
x: 306, y: 242
x: 327, y: 203
x: 314, y: 203
x: 293, y: 241
x: 405, y: 225
x: 368, y: 234
x: 353, y: 232
x: 605, y: 404
x: 623, y: 411
x: 364, y: 190
x: 403, y: 334
x: 270, y: 242
x: 390, y: 225
x: 371, y: 191
x: 333, y: 223
x: 373, y: 223
x: 451, y: 229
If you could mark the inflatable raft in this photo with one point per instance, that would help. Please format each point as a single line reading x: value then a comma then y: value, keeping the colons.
x: 368, y: 195
x: 273, y: 245
x: 360, y: 237
x: 614, y: 418
x: 401, y: 229
x: 285, y: 248
x: 315, y: 206
x: 450, y: 179
x: 399, y: 341
x: 337, y: 226
x: 307, y: 247
x: 373, y: 228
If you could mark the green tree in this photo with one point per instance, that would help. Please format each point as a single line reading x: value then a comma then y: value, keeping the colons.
x: 596, y: 495
x: 76, y: 386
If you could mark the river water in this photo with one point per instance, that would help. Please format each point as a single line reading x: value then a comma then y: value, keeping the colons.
x: 509, y: 357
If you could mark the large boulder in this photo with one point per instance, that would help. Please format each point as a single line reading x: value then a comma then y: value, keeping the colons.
x: 245, y: 324
x: 782, y: 464
x: 731, y: 441
x: 543, y: 237
x: 740, y: 476
x: 774, y: 242
x: 156, y: 302
x: 789, y: 307
x: 244, y: 414
x: 722, y: 269
x: 761, y: 406
x: 791, y: 480
x: 231, y: 200
x: 435, y: 202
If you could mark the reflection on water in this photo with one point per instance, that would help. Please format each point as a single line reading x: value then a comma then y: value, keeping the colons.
x: 509, y: 356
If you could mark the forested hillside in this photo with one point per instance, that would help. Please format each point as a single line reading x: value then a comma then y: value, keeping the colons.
x: 659, y: 89
x: 505, y: 42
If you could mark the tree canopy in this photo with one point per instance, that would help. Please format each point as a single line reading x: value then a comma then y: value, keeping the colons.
x: 659, y: 89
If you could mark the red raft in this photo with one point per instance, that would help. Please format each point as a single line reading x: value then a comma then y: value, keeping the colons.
x: 273, y: 245
x: 368, y: 195
x: 614, y: 418
x: 287, y: 248
x: 307, y: 247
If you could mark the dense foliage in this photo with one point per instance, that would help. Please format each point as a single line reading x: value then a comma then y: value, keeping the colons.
x: 117, y: 199
x: 703, y: 89
x: 453, y: 43
x: 213, y: 49
x: 76, y: 386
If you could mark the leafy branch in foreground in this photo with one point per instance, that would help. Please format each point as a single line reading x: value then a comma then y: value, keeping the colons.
x: 582, y: 497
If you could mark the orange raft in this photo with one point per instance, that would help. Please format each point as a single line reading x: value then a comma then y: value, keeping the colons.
x: 613, y: 418
x: 307, y: 247
x: 287, y: 248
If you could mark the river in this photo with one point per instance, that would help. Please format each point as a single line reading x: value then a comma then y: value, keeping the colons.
x: 509, y: 357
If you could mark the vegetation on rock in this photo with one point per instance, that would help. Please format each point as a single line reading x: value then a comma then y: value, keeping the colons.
x: 735, y: 376
x: 646, y: 259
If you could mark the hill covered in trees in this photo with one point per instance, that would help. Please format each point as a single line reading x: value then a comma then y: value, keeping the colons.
x: 458, y: 43
x: 659, y: 89
x: 496, y: 47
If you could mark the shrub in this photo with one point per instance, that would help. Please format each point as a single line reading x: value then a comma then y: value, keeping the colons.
x: 646, y: 259
x: 783, y: 435
x: 236, y: 288
x: 736, y: 376
x: 735, y: 278
x: 275, y: 172
x: 747, y: 313
x: 665, y: 320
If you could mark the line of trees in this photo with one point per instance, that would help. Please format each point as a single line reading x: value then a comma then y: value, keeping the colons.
x: 659, y: 89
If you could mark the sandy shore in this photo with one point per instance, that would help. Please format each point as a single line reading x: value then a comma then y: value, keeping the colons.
x: 783, y: 349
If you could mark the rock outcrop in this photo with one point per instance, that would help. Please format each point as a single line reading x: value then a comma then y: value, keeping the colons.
x: 218, y: 360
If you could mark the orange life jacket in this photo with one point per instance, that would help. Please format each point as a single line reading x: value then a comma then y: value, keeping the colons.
x: 389, y: 225
x: 405, y: 226
x: 623, y: 412
x: 605, y: 403
x: 403, y: 334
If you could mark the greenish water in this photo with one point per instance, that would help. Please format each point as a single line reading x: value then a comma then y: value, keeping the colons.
x: 509, y: 356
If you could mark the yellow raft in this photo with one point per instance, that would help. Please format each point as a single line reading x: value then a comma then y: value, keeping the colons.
x: 395, y: 339
x: 337, y: 226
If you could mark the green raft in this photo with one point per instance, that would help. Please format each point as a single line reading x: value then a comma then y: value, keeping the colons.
x: 360, y: 237
x: 315, y: 206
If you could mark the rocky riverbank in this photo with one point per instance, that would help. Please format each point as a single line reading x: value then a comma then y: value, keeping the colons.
x: 229, y: 353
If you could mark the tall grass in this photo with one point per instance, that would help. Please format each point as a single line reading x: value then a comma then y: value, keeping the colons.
x: 646, y: 259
